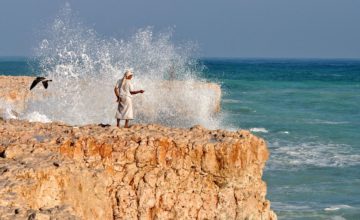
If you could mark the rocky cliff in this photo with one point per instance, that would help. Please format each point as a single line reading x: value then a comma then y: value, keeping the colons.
x: 56, y: 171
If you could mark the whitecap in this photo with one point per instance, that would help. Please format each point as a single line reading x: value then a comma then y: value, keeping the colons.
x: 319, y: 121
x: 260, y: 130
x: 337, y: 207
x: 232, y: 101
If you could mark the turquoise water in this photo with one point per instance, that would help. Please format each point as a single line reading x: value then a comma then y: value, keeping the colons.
x: 308, y: 111
x: 18, y: 66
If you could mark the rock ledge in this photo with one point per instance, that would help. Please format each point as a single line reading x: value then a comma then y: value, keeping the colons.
x: 56, y: 171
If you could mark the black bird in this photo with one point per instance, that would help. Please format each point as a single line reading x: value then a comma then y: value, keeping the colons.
x: 40, y: 79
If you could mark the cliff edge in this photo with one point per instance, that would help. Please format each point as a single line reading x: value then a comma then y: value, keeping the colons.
x: 56, y: 171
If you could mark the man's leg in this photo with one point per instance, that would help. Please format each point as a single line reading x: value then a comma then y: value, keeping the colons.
x: 126, y: 123
x: 118, y: 123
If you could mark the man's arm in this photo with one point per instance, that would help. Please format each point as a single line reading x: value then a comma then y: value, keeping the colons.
x: 136, y: 92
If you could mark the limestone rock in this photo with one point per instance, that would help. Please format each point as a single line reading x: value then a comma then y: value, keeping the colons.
x: 56, y: 171
x: 15, y: 91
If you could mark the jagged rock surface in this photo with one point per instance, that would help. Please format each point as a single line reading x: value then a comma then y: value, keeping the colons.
x: 56, y: 171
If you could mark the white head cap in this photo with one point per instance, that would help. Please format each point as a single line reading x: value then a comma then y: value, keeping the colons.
x: 128, y: 72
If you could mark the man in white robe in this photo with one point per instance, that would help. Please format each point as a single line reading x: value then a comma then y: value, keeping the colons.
x: 123, y: 91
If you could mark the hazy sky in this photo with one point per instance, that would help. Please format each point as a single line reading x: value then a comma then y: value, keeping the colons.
x: 228, y: 28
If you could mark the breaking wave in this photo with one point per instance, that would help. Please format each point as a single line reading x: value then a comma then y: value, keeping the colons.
x: 84, y: 68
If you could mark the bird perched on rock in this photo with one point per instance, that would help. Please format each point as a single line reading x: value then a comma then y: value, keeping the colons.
x: 40, y: 79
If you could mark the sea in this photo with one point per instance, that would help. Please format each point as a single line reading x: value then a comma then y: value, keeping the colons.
x: 307, y: 110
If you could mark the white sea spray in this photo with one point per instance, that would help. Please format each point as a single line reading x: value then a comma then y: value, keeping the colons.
x: 6, y: 110
x: 37, y: 117
x: 84, y: 68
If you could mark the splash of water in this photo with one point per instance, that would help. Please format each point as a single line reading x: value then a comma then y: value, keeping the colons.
x: 85, y: 67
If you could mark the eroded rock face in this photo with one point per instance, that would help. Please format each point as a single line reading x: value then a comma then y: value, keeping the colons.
x: 146, y: 172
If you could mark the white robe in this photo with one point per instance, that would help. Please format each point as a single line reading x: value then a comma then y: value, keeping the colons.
x: 125, y: 107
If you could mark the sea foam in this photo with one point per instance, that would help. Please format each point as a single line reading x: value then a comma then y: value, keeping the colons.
x: 7, y: 110
x: 289, y: 155
x: 337, y: 207
x: 37, y: 117
x: 261, y: 130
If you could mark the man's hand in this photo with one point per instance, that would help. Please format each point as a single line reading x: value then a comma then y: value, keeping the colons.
x: 118, y: 99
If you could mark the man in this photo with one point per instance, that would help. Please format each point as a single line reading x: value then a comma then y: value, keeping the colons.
x: 123, y: 91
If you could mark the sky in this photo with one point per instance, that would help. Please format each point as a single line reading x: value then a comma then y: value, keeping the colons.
x: 228, y: 28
